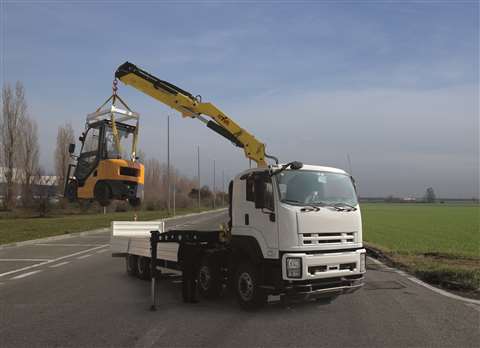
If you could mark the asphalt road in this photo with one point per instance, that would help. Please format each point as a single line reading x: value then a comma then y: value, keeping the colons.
x: 76, y: 294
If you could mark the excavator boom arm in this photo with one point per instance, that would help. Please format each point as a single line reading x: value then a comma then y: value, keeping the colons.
x: 193, y: 107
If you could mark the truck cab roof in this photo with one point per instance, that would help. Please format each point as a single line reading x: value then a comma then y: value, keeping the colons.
x: 305, y: 167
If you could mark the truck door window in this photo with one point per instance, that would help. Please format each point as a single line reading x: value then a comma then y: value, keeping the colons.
x: 250, y: 189
x: 269, y: 194
x: 126, y: 141
x: 88, y: 156
x: 91, y: 140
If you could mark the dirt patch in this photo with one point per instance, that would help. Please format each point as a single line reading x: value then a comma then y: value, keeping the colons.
x: 453, y: 273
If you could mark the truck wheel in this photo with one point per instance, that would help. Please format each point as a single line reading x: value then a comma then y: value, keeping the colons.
x: 132, y: 265
x: 143, y: 266
x: 209, y: 278
x: 134, y: 202
x: 247, y: 287
x: 102, y: 194
x: 71, y: 191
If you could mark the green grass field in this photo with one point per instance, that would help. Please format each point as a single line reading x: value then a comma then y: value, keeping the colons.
x: 438, y: 242
x: 20, y: 229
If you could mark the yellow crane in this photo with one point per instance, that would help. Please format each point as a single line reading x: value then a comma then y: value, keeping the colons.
x: 193, y: 107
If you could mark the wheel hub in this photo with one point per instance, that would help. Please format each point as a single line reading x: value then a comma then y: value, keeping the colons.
x: 245, y: 286
x: 204, y: 277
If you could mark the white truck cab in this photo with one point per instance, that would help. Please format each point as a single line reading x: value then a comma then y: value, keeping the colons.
x: 305, y: 225
x: 294, y: 230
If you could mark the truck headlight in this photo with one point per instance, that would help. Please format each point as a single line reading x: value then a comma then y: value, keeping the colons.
x: 294, y: 267
x: 362, y: 262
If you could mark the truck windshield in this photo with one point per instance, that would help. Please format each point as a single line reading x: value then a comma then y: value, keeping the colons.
x: 304, y: 187
x: 126, y: 140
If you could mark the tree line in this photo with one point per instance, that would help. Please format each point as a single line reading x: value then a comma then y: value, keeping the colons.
x: 25, y: 183
x: 19, y: 147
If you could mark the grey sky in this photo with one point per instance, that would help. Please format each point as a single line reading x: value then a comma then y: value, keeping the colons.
x: 393, y: 85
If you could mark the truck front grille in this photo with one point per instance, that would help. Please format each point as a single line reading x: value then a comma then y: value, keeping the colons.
x: 328, y: 238
x: 351, y: 266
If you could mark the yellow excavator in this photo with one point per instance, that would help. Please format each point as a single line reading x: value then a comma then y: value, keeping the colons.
x: 193, y: 107
x: 107, y: 168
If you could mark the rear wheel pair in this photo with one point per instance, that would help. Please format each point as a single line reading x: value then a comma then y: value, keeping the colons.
x: 246, y: 281
x: 210, y: 279
x: 134, y: 202
x: 138, y: 266
x: 103, y: 195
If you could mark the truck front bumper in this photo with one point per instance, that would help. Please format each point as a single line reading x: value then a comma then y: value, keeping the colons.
x: 323, y: 288
x: 323, y: 274
x: 323, y: 265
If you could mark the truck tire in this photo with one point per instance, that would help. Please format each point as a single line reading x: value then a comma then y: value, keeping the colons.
x: 143, y: 267
x: 210, y: 282
x: 131, y: 265
x: 102, y: 194
x: 135, y: 202
x: 247, y: 287
x: 71, y: 191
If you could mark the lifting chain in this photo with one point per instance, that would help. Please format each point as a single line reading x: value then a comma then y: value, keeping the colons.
x: 114, y: 86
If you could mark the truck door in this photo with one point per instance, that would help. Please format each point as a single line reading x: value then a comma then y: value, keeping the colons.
x: 88, y: 159
x: 263, y: 220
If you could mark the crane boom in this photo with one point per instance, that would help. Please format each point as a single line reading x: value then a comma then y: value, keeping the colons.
x: 193, y: 107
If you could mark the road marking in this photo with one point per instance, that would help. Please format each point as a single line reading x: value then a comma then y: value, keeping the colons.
x: 24, y: 260
x: 53, y: 260
x: 84, y: 256
x: 177, y: 281
x: 59, y: 264
x: 102, y: 251
x: 428, y: 286
x: 27, y: 274
x: 443, y: 292
x: 67, y: 245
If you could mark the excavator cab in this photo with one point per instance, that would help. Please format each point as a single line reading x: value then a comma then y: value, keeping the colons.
x: 106, y: 168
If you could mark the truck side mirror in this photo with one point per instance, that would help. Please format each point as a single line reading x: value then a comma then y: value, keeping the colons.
x: 259, y: 190
x: 71, y: 148
x: 296, y: 165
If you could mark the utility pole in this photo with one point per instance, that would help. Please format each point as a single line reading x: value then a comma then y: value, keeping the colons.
x: 174, y: 191
x: 214, y: 193
x: 168, y: 164
x: 198, y: 173
x: 223, y: 188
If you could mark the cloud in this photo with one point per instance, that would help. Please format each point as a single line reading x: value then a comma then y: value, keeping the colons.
x: 394, y: 86
x: 422, y: 135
